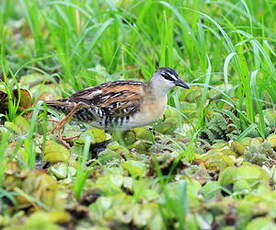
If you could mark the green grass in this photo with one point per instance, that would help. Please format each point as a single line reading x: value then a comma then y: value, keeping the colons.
x: 82, y: 172
x: 224, y: 49
x: 3, y: 160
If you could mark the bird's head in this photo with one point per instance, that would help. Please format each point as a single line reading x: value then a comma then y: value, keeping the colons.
x: 166, y: 78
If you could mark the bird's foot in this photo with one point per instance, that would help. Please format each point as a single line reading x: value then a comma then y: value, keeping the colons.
x: 62, y: 122
x: 71, y: 138
x: 63, y: 140
x: 59, y: 125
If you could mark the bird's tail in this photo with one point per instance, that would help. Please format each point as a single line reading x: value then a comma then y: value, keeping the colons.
x: 56, y: 102
x: 62, y: 105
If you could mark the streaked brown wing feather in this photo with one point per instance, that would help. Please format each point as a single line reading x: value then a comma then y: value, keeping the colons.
x: 115, y: 99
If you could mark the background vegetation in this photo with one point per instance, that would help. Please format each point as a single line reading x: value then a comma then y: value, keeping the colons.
x: 208, y: 164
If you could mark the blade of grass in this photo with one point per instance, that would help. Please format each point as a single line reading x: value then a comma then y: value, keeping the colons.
x: 203, y: 103
x: 32, y: 11
x: 259, y: 105
x: 225, y: 69
x: 82, y: 172
x: 248, y: 130
x: 3, y: 159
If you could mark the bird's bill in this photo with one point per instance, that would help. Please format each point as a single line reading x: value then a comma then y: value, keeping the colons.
x: 182, y: 84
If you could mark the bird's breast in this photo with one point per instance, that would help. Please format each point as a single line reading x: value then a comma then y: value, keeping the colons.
x: 150, y: 111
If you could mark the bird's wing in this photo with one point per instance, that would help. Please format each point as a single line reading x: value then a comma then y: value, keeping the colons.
x: 114, y: 99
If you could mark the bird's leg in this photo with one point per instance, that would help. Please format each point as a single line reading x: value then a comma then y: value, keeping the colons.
x: 54, y: 129
x: 61, y: 138
x: 70, y: 138
x: 62, y: 122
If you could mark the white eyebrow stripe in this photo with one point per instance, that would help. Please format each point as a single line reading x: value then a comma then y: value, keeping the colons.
x: 172, y: 76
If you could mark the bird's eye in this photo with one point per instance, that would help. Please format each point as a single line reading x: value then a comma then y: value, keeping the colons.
x: 168, y: 77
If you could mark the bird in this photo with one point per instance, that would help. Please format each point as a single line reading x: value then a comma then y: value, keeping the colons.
x: 120, y: 105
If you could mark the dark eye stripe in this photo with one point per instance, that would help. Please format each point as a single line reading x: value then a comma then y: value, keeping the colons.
x: 168, y: 77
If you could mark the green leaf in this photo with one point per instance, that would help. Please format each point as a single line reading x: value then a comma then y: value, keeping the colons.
x: 241, y: 185
x: 13, y: 127
x: 210, y: 190
x: 252, y: 174
x: 55, y: 152
x: 144, y: 133
x: 272, y: 140
x: 227, y: 176
x: 261, y: 223
x: 22, y: 123
x: 135, y: 168
x: 39, y: 220
x: 96, y: 135
x: 61, y: 170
